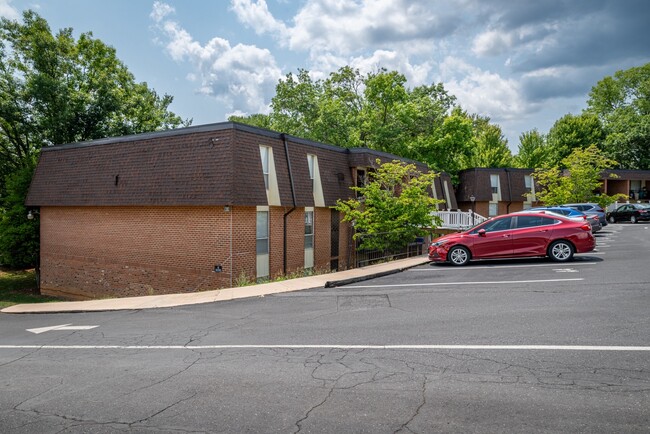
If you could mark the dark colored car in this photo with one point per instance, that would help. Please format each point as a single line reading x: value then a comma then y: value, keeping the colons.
x: 516, y: 235
x: 633, y: 212
x: 588, y: 208
x: 594, y: 219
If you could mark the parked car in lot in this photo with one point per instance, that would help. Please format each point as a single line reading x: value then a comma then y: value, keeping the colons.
x: 633, y: 212
x: 570, y: 213
x: 516, y: 235
x: 594, y: 220
x: 589, y: 207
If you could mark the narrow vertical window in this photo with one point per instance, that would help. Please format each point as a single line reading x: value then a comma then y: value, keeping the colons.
x: 361, y: 178
x: 494, y: 182
x: 529, y: 184
x: 262, y: 244
x: 310, y: 163
x: 493, y: 209
x: 309, y: 238
x: 264, y: 154
x: 309, y: 229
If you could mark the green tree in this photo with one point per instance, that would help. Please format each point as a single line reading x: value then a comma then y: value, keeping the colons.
x: 395, y: 205
x: 376, y: 111
x: 489, y: 147
x: 622, y: 103
x: 18, y: 235
x: 533, y: 152
x: 571, y: 132
x: 580, y: 181
x: 54, y: 90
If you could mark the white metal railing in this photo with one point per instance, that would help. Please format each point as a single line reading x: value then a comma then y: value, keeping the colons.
x: 458, y: 219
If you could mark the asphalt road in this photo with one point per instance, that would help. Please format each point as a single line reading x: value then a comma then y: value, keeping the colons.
x: 501, y: 346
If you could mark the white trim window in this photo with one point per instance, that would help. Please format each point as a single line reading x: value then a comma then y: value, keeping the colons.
x: 262, y: 242
x: 265, y: 151
x: 310, y: 162
x: 494, y: 183
x: 309, y: 238
x: 493, y: 209
x: 528, y: 180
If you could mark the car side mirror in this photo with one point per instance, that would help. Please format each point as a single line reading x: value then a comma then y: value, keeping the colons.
x: 481, y: 232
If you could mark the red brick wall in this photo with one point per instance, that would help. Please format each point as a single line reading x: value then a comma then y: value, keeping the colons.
x: 322, y: 238
x: 95, y: 252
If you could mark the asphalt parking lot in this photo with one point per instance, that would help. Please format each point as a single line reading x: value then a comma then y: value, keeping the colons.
x: 499, y: 346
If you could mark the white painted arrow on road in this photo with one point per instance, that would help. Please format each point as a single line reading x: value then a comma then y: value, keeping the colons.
x: 61, y: 327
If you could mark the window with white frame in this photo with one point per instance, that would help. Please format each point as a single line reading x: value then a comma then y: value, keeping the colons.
x: 529, y: 184
x: 311, y: 162
x: 494, y: 183
x: 493, y: 209
x: 264, y: 154
x: 309, y: 229
x: 262, y: 243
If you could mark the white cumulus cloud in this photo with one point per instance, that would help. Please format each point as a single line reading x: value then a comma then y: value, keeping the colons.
x: 8, y: 11
x: 483, y: 92
x: 243, y: 77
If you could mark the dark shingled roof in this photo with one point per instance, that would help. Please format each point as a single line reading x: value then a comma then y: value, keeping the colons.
x: 208, y: 165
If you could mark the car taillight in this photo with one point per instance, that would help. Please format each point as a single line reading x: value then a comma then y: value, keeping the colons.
x: 586, y: 227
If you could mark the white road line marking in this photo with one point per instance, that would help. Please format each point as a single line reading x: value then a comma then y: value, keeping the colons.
x: 462, y: 283
x: 499, y: 266
x: 327, y: 347
x: 60, y: 327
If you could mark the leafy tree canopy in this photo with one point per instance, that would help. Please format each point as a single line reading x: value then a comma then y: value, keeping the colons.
x: 54, y: 90
x: 489, y: 147
x: 571, y: 132
x: 580, y: 182
x: 533, y: 152
x: 395, y: 204
x: 622, y: 103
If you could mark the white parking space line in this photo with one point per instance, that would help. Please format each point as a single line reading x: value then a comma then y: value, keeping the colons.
x: 499, y: 282
x: 434, y: 268
x: 329, y: 347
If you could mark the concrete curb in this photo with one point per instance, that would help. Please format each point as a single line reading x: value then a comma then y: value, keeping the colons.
x: 173, y: 300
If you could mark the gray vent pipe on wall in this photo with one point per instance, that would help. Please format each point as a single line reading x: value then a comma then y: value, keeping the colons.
x: 293, y: 197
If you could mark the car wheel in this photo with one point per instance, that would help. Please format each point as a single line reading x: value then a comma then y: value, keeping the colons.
x: 561, y: 251
x: 458, y: 255
x: 611, y: 219
x: 633, y: 219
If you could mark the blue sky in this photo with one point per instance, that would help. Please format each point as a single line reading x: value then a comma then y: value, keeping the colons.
x: 524, y: 64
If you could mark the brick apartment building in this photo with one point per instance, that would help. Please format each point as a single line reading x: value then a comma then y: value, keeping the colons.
x: 498, y: 191
x: 193, y: 209
x: 495, y: 191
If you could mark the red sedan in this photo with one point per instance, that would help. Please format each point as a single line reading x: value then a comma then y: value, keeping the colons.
x: 516, y: 236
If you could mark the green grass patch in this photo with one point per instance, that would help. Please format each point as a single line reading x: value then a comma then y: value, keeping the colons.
x: 17, y: 287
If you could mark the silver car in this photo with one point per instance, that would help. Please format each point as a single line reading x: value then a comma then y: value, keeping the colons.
x: 589, y: 208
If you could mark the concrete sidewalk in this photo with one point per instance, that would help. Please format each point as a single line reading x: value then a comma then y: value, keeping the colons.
x: 170, y: 300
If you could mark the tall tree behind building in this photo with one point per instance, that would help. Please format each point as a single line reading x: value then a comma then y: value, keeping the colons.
x: 622, y: 103
x: 55, y: 89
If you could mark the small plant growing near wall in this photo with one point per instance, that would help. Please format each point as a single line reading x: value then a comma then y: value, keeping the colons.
x: 395, y: 202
